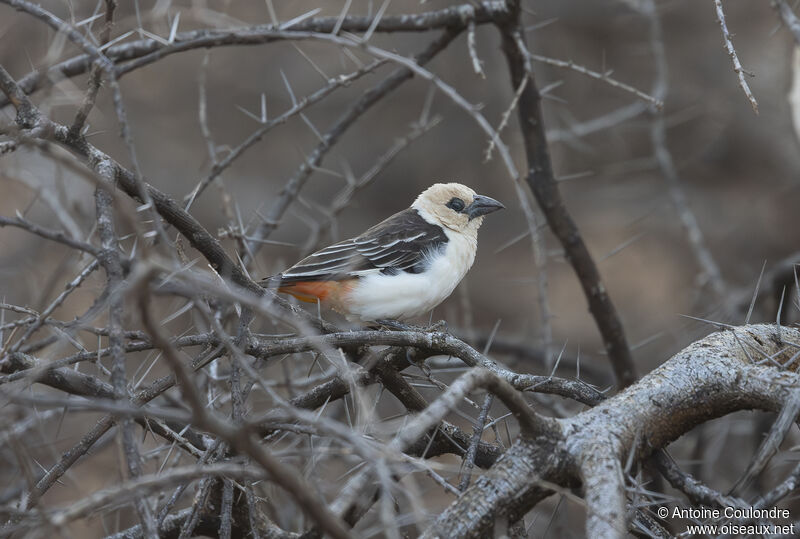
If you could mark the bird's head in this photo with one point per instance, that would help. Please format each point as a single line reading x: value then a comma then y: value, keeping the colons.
x: 455, y: 206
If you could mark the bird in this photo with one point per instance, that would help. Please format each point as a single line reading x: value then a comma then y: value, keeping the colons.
x: 400, y: 268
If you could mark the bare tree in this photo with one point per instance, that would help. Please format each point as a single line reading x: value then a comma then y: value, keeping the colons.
x: 153, y: 389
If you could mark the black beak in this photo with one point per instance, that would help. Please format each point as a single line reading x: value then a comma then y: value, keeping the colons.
x: 482, y: 205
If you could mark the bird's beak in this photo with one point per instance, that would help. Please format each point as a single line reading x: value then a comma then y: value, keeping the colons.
x: 482, y: 205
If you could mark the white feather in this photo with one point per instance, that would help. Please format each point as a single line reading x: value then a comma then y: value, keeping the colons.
x: 379, y: 296
x: 337, y: 248
x: 322, y: 262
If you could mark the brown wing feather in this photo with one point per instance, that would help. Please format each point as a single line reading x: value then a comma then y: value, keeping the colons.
x: 402, y: 242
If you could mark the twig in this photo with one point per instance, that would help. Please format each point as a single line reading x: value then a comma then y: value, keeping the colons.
x: 58, y: 236
x: 658, y: 137
x: 150, y: 483
x: 469, y: 458
x: 225, y: 511
x: 473, y: 52
x: 137, y: 346
x: 27, y: 115
x: 178, y: 492
x: 786, y: 487
x: 771, y: 443
x: 539, y: 251
x: 545, y: 188
x: 696, y: 491
x: 40, y: 321
x: 201, y: 500
x: 600, y: 123
x: 110, y: 259
x: 504, y: 118
x: 95, y: 75
x: 737, y: 65
x: 789, y: 18
x: 207, y: 525
x: 653, y: 100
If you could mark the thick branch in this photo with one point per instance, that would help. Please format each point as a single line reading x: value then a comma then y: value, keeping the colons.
x: 710, y: 378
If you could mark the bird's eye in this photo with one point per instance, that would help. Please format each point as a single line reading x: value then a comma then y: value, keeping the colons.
x: 455, y: 204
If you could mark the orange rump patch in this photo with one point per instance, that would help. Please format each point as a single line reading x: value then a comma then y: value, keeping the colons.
x: 313, y: 291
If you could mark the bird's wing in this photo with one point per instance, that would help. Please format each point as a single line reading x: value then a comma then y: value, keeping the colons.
x: 401, y: 243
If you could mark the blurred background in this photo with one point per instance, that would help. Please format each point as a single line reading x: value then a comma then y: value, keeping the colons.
x: 738, y: 169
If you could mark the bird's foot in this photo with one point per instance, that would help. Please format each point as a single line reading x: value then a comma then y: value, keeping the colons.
x: 441, y: 325
x: 395, y: 325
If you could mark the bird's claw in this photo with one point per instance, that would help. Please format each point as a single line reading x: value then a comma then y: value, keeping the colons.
x: 394, y: 325
x: 441, y: 325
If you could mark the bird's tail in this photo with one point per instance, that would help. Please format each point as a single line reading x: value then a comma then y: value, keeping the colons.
x: 307, y: 291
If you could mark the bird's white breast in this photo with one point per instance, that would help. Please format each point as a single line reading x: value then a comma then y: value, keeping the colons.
x: 407, y: 295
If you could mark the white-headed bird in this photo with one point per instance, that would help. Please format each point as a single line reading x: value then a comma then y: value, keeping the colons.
x: 400, y: 268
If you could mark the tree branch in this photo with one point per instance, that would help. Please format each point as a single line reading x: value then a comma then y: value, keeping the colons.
x: 542, y: 182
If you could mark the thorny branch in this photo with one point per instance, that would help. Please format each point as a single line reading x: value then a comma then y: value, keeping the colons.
x: 658, y: 137
x: 217, y: 424
x: 737, y: 65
